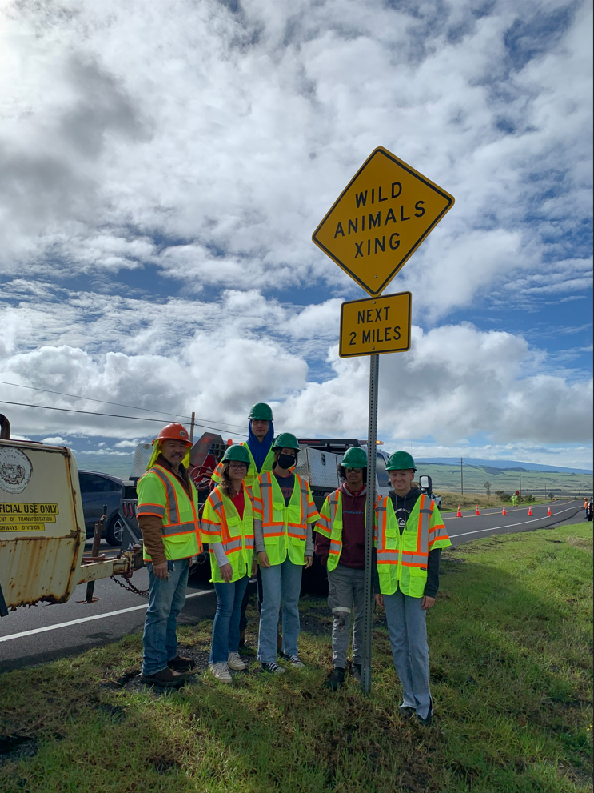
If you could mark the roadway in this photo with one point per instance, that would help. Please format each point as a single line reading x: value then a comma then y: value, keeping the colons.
x: 46, y: 632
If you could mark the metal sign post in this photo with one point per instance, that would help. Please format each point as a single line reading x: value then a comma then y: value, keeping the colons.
x: 369, y: 518
x: 373, y: 228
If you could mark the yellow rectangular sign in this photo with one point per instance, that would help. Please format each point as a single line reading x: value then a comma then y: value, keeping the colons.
x: 375, y: 324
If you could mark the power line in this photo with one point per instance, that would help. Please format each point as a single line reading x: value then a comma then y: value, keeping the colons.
x: 108, y: 415
x: 117, y: 404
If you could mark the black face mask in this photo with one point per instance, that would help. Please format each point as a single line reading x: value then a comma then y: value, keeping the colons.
x: 285, y: 461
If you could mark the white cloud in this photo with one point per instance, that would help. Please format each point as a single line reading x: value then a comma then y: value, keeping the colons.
x: 215, y: 141
x: 207, y: 144
x: 456, y: 382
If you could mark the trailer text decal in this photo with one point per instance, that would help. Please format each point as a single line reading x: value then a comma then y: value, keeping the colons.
x: 27, y: 517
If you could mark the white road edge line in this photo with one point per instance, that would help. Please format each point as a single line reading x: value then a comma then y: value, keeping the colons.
x: 509, y: 525
x: 89, y: 619
x: 453, y: 535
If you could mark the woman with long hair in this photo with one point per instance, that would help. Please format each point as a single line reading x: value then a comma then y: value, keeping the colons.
x: 228, y: 526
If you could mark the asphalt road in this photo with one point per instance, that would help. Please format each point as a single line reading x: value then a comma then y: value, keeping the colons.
x: 46, y: 632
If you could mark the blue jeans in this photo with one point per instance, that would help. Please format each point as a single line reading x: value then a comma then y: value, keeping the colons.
x: 280, y: 583
x: 225, y: 627
x: 166, y: 600
x: 407, y: 630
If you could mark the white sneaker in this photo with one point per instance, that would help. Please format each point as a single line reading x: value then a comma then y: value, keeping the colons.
x: 235, y: 663
x: 221, y: 672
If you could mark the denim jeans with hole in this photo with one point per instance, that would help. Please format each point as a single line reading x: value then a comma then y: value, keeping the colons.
x: 225, y: 627
x: 280, y: 583
x: 166, y: 600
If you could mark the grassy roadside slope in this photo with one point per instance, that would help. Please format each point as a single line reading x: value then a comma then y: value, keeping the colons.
x: 511, y: 645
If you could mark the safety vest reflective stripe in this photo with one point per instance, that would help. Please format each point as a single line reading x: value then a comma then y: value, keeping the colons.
x: 437, y: 533
x: 172, y: 507
x: 423, y: 528
x: 387, y: 557
x: 178, y: 528
x: 335, y: 547
x: 150, y: 509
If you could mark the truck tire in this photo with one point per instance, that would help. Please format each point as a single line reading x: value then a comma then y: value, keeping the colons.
x: 114, y: 531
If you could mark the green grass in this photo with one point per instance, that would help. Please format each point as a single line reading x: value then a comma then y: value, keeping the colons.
x: 511, y: 645
x: 538, y: 483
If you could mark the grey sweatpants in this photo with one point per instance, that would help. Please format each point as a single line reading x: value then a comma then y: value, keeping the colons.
x: 346, y: 593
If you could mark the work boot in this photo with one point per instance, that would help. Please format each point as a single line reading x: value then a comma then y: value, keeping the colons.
x: 335, y: 679
x: 181, y: 664
x: 221, y: 672
x: 166, y: 678
x: 235, y: 663
x: 406, y: 712
x: 356, y: 672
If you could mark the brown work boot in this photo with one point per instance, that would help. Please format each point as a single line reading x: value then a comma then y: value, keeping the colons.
x: 181, y: 664
x: 166, y: 678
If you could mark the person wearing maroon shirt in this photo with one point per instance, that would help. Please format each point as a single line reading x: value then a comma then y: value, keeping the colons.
x: 346, y: 578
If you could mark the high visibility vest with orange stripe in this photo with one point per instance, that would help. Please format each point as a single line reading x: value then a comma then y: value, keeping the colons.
x: 284, y: 528
x: 330, y: 525
x: 402, y: 558
x: 221, y: 523
x: 252, y: 473
x: 160, y: 493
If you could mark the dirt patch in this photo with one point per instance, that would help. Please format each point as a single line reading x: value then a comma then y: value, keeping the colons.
x: 580, y: 542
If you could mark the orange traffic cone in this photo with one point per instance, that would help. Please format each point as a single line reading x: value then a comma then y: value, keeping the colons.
x: 549, y: 511
x: 459, y: 513
x: 529, y: 512
x: 478, y: 512
x: 504, y: 512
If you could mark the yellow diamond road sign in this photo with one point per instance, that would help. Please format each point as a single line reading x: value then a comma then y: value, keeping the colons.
x: 375, y: 325
x: 380, y: 219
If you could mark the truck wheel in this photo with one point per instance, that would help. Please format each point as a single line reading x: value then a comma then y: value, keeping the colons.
x: 114, y: 531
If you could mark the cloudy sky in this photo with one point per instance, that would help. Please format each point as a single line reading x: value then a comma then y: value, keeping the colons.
x: 163, y: 166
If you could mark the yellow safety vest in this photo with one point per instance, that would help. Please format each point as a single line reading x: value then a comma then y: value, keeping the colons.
x: 402, y: 558
x: 284, y: 528
x: 252, y: 473
x: 221, y: 523
x: 330, y: 525
x: 160, y: 493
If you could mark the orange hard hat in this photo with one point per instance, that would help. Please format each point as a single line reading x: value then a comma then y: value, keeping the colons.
x: 174, y: 432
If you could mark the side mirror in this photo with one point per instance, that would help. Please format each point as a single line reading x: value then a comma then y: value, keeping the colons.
x: 426, y: 483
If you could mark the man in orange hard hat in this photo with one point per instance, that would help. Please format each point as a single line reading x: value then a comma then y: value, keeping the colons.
x: 168, y: 518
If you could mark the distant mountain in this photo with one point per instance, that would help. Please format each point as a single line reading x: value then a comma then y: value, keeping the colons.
x: 510, y: 465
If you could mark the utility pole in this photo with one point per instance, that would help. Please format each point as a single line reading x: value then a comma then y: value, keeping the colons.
x: 192, y: 427
x: 461, y: 478
x: 520, y: 485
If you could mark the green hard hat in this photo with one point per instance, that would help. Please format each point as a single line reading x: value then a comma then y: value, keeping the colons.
x: 238, y: 453
x: 400, y: 461
x: 286, y: 441
x: 354, y: 457
x: 261, y: 412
